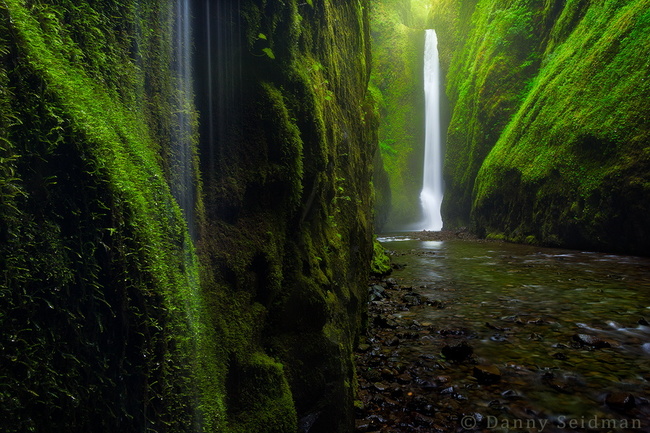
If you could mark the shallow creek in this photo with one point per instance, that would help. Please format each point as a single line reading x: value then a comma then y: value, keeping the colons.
x: 497, y: 337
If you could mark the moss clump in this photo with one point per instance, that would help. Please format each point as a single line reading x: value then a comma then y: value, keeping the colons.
x: 259, y: 398
x: 380, y: 260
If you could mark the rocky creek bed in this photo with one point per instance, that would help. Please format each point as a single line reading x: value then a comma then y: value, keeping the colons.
x: 436, y: 360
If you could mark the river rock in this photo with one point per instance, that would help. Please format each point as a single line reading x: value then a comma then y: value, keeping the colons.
x: 363, y: 348
x: 381, y: 387
x: 458, y: 352
x: 423, y: 420
x: 391, y: 282
x: 412, y: 299
x: 590, y: 340
x: 383, y: 322
x: 620, y: 400
x: 376, y: 293
x: 561, y: 356
x: 393, y: 341
x: 404, y: 378
x: 487, y: 374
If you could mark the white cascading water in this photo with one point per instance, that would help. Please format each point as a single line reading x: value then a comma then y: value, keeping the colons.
x: 182, y: 152
x: 432, y: 191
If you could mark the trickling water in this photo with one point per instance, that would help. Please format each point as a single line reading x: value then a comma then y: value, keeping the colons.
x: 182, y: 164
x: 219, y: 83
x: 432, y: 191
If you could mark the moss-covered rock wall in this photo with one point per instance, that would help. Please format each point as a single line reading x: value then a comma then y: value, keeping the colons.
x: 288, y: 233
x: 548, y: 141
x: 99, y: 296
x: 113, y: 318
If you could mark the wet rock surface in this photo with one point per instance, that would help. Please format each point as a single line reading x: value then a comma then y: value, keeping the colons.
x: 419, y: 374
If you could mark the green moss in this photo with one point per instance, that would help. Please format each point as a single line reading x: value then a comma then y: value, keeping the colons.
x: 380, y: 260
x: 259, y: 396
x: 495, y: 237
x: 289, y: 223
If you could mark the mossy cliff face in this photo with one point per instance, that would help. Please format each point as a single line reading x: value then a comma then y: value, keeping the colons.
x: 111, y: 321
x: 288, y: 237
x: 549, y: 138
x: 99, y: 297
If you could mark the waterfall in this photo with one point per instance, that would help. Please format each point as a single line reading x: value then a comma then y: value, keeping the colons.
x: 432, y: 189
x: 182, y: 164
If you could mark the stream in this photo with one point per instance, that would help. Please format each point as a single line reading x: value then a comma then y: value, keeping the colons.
x: 470, y: 335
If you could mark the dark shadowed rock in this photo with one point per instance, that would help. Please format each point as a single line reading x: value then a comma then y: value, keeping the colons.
x: 620, y: 401
x: 458, y: 352
x: 487, y: 374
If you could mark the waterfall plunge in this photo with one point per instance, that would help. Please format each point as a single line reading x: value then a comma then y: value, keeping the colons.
x: 432, y: 191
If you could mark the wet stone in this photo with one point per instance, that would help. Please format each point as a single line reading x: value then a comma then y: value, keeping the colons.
x: 393, y: 342
x: 382, y: 322
x: 435, y: 303
x: 381, y: 387
x: 412, y: 299
x: 404, y: 378
x: 561, y: 356
x: 391, y: 282
x: 423, y: 420
x: 362, y: 425
x: 590, y: 340
x: 620, y: 401
x: 376, y: 293
x: 363, y: 348
x: 487, y: 374
x: 510, y: 394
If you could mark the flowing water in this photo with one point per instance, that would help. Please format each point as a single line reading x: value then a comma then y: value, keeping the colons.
x: 526, y: 311
x: 432, y: 190
x: 182, y: 164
